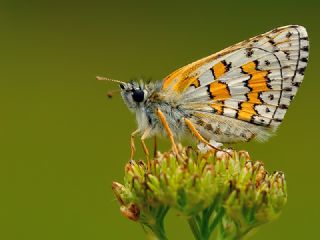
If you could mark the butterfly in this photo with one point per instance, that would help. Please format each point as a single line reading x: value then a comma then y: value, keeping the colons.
x: 236, y: 95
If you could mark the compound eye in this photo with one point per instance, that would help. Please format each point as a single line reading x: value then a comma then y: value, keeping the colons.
x: 138, y: 95
x: 121, y: 86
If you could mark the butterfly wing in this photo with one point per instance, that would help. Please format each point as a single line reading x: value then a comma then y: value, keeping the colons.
x: 251, y: 82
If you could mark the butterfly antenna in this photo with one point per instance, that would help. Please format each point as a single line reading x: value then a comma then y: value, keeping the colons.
x: 110, y: 80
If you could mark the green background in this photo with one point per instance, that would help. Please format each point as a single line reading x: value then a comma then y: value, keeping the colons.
x: 63, y: 142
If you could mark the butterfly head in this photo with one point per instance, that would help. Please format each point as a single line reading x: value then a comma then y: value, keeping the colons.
x: 139, y: 97
x: 133, y: 94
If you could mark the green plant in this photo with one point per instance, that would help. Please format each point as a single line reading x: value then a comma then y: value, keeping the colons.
x: 220, y: 192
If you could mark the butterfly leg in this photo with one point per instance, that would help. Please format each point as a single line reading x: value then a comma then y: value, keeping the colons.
x: 198, y: 135
x: 132, y: 145
x: 168, y: 130
x: 155, y: 146
x: 144, y: 146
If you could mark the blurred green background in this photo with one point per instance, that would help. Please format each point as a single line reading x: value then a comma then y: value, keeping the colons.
x: 63, y: 142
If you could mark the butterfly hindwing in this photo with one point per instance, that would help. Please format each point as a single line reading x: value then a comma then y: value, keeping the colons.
x: 253, y: 81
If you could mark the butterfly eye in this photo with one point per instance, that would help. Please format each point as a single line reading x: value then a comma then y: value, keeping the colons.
x: 121, y: 86
x: 138, y: 95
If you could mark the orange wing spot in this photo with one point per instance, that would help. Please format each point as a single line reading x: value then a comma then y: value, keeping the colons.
x: 217, y: 107
x: 219, y: 91
x: 196, y: 83
x: 248, y: 107
x: 254, y: 98
x: 258, y: 80
x: 185, y: 83
x: 219, y: 69
x: 249, y: 67
x: 247, y: 111
x: 257, y: 83
x: 245, y: 116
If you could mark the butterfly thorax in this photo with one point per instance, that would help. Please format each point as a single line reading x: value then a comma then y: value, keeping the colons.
x: 170, y: 107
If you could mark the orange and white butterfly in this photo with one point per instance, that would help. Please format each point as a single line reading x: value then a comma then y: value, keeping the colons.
x: 238, y: 94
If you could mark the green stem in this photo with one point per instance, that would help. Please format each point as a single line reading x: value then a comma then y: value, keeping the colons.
x: 159, y: 232
x: 245, y: 233
x: 203, y: 226
x: 194, y: 228
x: 162, y: 213
x: 156, y: 223
x: 221, y: 233
x: 217, y: 219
